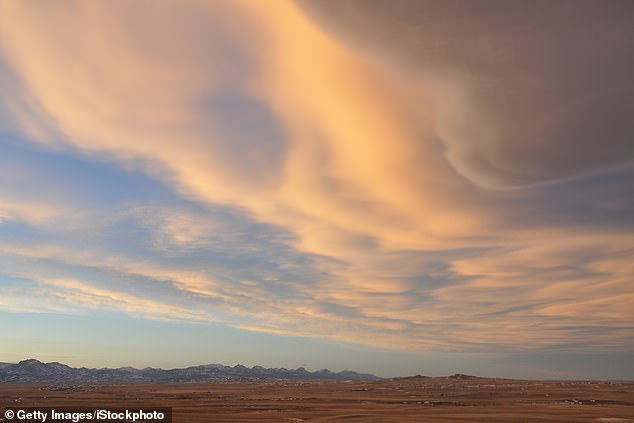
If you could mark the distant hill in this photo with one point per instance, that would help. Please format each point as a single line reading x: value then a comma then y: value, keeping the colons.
x: 35, y: 371
x: 462, y: 376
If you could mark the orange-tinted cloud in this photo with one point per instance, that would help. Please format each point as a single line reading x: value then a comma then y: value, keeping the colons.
x: 360, y: 163
x: 521, y: 93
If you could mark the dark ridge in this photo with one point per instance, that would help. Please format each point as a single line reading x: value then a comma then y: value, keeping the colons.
x: 462, y: 376
x: 32, y: 370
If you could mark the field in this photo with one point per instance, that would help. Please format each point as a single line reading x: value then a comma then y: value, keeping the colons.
x: 416, y: 399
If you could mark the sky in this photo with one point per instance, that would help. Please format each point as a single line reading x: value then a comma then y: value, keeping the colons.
x: 398, y: 187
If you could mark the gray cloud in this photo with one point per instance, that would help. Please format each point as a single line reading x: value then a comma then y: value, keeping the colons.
x: 525, y: 92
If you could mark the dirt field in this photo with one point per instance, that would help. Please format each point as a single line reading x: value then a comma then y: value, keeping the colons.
x: 415, y: 399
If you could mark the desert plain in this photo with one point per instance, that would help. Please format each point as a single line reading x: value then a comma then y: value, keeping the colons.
x: 413, y: 399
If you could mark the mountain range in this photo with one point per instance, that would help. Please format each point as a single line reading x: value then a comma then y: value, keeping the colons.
x: 32, y: 370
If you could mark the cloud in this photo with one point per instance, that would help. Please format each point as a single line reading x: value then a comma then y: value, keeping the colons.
x: 521, y: 94
x: 336, y: 193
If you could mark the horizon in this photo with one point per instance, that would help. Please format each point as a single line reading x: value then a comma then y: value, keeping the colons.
x: 160, y: 368
x: 452, y: 375
x: 414, y: 187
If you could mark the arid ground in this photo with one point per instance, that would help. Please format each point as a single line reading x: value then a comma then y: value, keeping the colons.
x: 415, y: 399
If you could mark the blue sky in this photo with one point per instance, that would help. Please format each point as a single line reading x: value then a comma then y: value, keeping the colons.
x: 191, y: 183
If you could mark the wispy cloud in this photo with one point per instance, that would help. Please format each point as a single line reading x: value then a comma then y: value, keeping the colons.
x: 521, y: 93
x: 293, y: 179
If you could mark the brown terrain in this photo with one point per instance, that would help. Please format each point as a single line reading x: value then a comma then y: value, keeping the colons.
x: 414, y: 399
